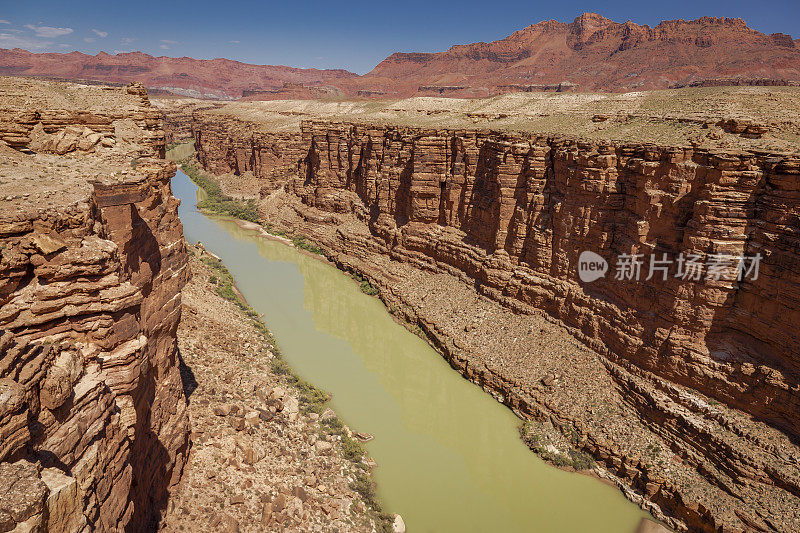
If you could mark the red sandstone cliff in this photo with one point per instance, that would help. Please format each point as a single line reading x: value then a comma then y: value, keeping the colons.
x: 595, y: 54
x: 238, y: 148
x: 592, y: 53
x: 510, y: 213
x: 93, y: 418
x: 212, y: 78
x: 515, y: 211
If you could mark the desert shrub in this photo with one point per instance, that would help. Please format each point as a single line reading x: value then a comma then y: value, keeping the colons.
x: 368, y: 288
x: 217, y: 201
x: 280, y: 367
x: 312, y: 399
x: 303, y: 244
x: 364, y: 284
x: 352, y: 449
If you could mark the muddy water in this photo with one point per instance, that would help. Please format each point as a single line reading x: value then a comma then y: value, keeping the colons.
x: 449, y: 456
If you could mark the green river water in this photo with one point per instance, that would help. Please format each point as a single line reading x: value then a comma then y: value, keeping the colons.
x: 449, y: 456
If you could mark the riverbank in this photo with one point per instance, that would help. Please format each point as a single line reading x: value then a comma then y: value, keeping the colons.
x: 267, y: 454
x: 446, y: 220
x: 643, y: 435
x: 543, y: 436
x: 449, y: 456
x: 582, y: 411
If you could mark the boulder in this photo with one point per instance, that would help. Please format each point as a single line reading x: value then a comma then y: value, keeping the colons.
x: 22, y: 493
x: 398, y: 526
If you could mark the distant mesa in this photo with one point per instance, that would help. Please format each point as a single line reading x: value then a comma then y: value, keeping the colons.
x: 594, y: 53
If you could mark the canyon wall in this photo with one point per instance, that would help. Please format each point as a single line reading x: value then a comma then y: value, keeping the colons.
x: 233, y: 146
x: 93, y: 417
x: 509, y: 214
x: 178, y: 117
x: 514, y: 212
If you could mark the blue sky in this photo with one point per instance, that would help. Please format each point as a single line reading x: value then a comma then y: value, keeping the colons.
x: 351, y: 34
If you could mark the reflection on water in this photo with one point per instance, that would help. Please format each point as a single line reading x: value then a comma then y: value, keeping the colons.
x: 449, y: 456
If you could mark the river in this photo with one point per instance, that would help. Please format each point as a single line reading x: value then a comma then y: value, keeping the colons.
x: 449, y: 456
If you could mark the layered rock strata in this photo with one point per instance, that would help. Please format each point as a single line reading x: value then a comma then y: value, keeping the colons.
x: 178, y: 116
x: 240, y: 149
x: 706, y: 369
x: 514, y: 213
x: 93, y: 420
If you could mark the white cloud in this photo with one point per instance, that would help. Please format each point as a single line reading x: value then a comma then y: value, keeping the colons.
x: 167, y: 41
x: 234, y: 42
x: 127, y: 40
x: 49, y: 32
x: 10, y: 40
x: 89, y: 39
x: 164, y: 47
x: 4, y: 21
x: 63, y: 45
x: 101, y: 34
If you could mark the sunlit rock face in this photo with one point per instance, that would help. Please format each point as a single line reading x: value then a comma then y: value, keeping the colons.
x: 511, y: 214
x: 92, y: 261
x: 514, y: 211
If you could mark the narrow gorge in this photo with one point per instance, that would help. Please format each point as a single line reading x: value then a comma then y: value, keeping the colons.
x: 119, y: 398
x: 685, y: 391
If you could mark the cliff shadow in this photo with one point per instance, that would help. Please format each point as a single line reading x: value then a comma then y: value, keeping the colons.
x: 188, y: 380
x: 141, y: 249
x: 522, y: 216
x: 150, y: 461
x: 732, y: 334
x: 312, y: 163
x: 483, y: 219
x: 402, y: 198
x: 357, y: 177
x: 738, y: 334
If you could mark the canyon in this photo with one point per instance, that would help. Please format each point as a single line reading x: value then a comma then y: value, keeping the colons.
x: 93, y: 416
x: 590, y: 54
x: 117, y: 404
x: 685, y: 391
x: 260, y: 460
x: 120, y: 401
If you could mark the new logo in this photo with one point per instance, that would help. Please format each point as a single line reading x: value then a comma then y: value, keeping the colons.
x: 591, y: 266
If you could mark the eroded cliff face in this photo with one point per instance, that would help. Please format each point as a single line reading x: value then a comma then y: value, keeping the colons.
x: 93, y: 419
x: 509, y: 214
x: 515, y: 212
x: 178, y: 116
x: 79, y: 119
x: 235, y: 147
